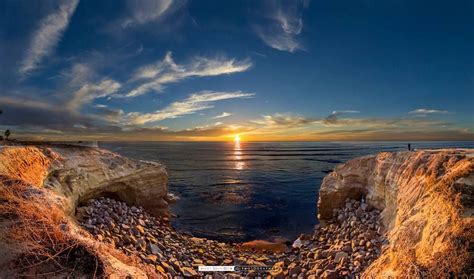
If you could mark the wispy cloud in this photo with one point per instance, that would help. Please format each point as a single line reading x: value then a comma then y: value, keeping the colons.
x: 90, y: 91
x: 283, y: 120
x: 286, y: 23
x: 224, y: 114
x: 47, y: 36
x: 45, y: 120
x: 32, y: 114
x: 281, y: 126
x: 144, y: 11
x: 167, y: 71
x: 428, y: 111
x: 333, y: 117
x: 194, y: 103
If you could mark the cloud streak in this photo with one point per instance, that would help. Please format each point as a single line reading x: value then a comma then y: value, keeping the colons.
x: 428, y: 111
x: 145, y: 11
x: 157, y: 75
x: 89, y: 92
x: 36, y: 119
x: 333, y: 117
x: 286, y: 23
x: 194, y: 103
x: 47, y: 36
x: 222, y: 115
x: 282, y: 120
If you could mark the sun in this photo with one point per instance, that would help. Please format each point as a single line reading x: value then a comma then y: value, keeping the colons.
x: 237, y: 139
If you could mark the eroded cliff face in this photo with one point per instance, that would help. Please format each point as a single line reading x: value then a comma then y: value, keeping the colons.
x: 426, y: 203
x: 78, y: 174
x: 68, y: 176
x: 84, y: 173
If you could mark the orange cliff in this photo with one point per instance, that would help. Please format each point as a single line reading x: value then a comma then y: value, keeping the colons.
x: 427, y: 208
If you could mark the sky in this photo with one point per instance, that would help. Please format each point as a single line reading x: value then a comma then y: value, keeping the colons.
x: 146, y: 70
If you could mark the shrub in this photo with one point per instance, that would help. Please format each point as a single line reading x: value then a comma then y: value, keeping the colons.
x: 35, y: 231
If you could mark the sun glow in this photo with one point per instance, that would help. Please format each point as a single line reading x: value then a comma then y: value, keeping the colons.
x: 239, y: 165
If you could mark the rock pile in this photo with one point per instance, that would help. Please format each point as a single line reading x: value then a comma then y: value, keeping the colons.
x: 342, y: 248
x: 134, y: 231
x: 345, y: 246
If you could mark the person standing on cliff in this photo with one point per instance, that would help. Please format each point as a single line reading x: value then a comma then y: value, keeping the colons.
x: 409, y: 147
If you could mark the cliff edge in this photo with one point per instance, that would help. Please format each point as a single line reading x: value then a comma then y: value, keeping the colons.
x: 427, y: 208
x: 39, y: 178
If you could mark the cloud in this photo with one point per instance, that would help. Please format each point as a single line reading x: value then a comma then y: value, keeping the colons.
x: 145, y: 11
x: 159, y: 74
x: 32, y: 115
x: 36, y: 119
x: 194, y: 103
x: 109, y: 115
x: 291, y: 127
x: 88, y: 92
x: 336, y: 112
x: 78, y: 74
x: 283, y: 120
x: 47, y: 36
x: 333, y: 117
x: 224, y: 114
x: 428, y: 111
x: 286, y: 23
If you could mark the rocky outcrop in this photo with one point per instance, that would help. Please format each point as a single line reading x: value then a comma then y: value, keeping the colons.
x: 426, y: 203
x: 78, y: 174
x: 67, y: 176
x: 84, y: 173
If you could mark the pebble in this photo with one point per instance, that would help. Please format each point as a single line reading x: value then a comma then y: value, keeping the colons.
x: 344, y: 247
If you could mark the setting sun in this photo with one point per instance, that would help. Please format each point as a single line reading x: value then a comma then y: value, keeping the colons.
x: 237, y: 139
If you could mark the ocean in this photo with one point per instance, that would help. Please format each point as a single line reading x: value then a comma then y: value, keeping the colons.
x: 252, y: 190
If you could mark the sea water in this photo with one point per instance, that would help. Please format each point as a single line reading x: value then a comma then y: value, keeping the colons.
x: 248, y: 190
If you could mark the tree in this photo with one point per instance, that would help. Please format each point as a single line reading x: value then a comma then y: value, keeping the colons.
x: 7, y: 134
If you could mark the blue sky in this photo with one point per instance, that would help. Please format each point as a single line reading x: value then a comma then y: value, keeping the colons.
x: 208, y: 70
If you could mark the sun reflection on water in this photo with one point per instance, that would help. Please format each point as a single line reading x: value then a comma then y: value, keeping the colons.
x: 239, y: 165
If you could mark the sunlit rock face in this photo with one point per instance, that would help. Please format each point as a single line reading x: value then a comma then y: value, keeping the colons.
x: 84, y: 173
x: 78, y: 174
x: 426, y: 203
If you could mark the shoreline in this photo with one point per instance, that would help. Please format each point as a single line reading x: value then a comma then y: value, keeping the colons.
x: 342, y: 248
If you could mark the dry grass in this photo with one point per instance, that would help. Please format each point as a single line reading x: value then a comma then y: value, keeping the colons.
x: 35, y: 231
x: 36, y: 238
x: 454, y: 258
x: 25, y: 163
x: 431, y: 239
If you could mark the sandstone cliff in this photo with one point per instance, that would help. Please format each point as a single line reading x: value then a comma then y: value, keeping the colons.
x: 66, y: 176
x: 78, y: 174
x: 426, y: 203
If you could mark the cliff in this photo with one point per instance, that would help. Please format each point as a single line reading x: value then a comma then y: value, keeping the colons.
x: 63, y: 177
x: 78, y: 174
x: 426, y: 203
